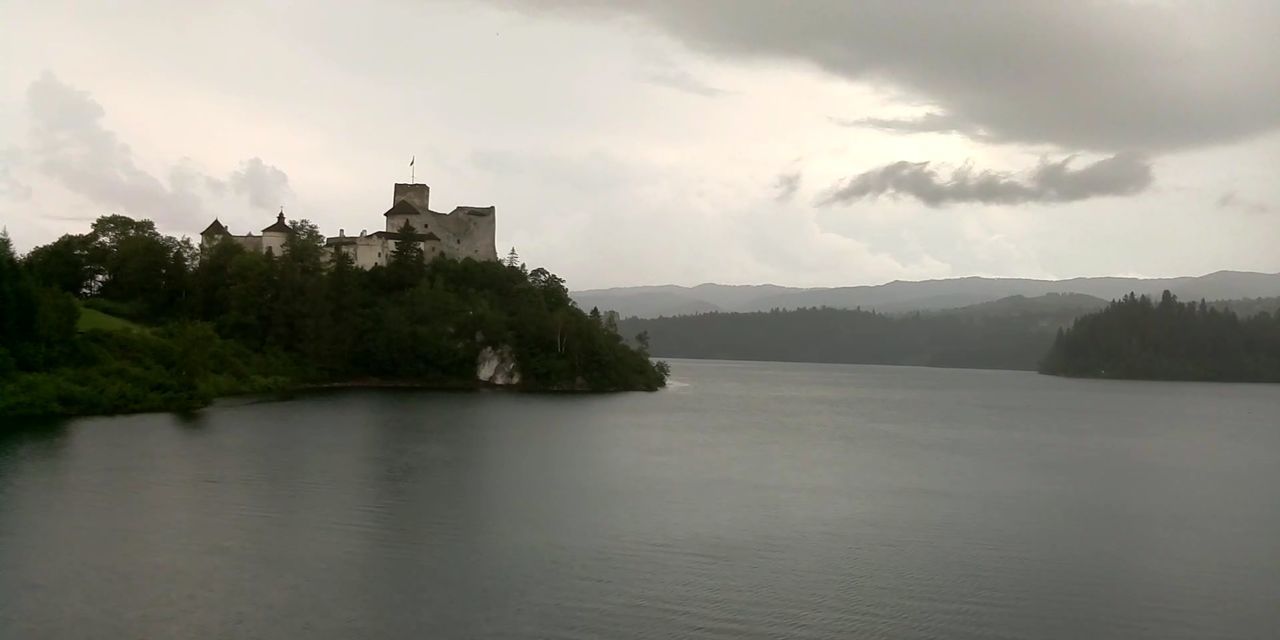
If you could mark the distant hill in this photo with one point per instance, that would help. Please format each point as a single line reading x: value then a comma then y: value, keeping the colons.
x: 673, y: 300
x: 1140, y: 338
x: 1066, y: 306
x: 1010, y: 333
x: 902, y: 296
x: 1250, y: 307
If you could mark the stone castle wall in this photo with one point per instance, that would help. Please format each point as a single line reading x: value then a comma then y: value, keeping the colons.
x: 466, y: 232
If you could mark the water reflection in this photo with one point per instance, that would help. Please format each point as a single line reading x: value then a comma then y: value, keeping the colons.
x: 752, y: 501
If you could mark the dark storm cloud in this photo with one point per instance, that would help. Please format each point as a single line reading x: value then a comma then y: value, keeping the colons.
x: 1105, y: 76
x: 1050, y: 182
x: 69, y: 144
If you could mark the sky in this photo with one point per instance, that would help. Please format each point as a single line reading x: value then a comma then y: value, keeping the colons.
x: 815, y: 143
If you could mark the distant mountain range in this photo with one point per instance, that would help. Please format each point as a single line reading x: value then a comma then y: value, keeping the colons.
x: 929, y: 295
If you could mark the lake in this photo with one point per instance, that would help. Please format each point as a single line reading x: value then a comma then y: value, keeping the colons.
x: 749, y: 500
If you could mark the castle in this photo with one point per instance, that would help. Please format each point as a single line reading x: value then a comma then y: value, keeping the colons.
x: 465, y: 232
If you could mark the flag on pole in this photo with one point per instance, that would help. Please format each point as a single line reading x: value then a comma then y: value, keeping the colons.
x: 412, y: 159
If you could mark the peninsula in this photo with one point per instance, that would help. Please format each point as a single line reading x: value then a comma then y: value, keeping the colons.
x: 125, y: 319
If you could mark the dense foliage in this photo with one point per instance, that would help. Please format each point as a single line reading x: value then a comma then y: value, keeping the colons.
x: 1015, y: 338
x: 232, y: 321
x: 1170, y: 340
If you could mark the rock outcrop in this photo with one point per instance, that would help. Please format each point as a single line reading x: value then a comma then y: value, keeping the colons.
x: 497, y: 366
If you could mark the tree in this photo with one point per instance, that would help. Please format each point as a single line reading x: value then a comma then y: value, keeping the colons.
x: 108, y: 231
x: 552, y: 287
x: 642, y: 339
x: 65, y: 264
x: 1169, y: 340
x: 513, y: 259
x: 17, y: 299
x: 406, y: 264
x: 36, y: 325
x: 305, y: 246
x: 211, y: 279
x: 128, y: 262
x: 243, y: 321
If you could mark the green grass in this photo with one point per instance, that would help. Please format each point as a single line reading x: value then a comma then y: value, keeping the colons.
x: 94, y: 319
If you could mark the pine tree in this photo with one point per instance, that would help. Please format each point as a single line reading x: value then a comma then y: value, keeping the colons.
x: 408, y: 250
x: 407, y: 263
x: 17, y: 298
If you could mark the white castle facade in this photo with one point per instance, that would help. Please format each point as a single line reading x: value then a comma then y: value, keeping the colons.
x: 465, y: 232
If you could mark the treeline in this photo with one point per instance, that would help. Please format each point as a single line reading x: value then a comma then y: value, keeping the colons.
x: 1017, y: 340
x: 1168, y: 340
x: 233, y: 321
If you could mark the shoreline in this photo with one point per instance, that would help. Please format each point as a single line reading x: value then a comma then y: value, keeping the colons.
x: 285, y: 391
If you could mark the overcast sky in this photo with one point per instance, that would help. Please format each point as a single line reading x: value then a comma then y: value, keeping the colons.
x: 822, y: 142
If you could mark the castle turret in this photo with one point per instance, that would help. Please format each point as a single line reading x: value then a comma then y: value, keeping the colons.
x: 213, y: 234
x: 273, y: 237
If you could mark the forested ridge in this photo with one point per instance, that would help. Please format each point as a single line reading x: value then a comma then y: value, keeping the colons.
x: 124, y: 319
x: 1062, y: 334
x: 967, y: 338
x: 1135, y: 337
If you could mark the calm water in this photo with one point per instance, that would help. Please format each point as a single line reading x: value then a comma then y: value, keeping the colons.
x: 749, y: 501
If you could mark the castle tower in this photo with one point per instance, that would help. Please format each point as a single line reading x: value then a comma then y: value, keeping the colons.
x: 273, y: 237
x: 418, y: 195
x: 213, y: 234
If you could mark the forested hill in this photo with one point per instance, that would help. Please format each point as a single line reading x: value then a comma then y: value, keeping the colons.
x: 1013, y: 333
x: 1169, y: 340
x: 123, y: 318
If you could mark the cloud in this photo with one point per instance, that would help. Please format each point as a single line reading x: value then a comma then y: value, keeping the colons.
x: 264, y: 184
x: 681, y: 80
x: 787, y: 184
x: 1050, y: 182
x: 932, y: 122
x: 664, y: 72
x: 69, y: 144
x: 1231, y: 200
x: 10, y: 187
x: 1102, y: 76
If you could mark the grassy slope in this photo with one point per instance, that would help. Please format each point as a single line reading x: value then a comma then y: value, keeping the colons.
x: 94, y: 319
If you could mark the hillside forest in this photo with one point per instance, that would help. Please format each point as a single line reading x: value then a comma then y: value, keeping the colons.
x: 123, y: 318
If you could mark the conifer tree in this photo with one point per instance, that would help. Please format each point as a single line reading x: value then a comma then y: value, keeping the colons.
x: 407, y: 263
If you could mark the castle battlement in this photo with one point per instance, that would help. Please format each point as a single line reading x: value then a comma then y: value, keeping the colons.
x: 465, y: 232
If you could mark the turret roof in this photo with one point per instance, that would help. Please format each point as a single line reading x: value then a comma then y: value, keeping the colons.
x: 215, y: 228
x: 279, y: 226
x: 402, y: 208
